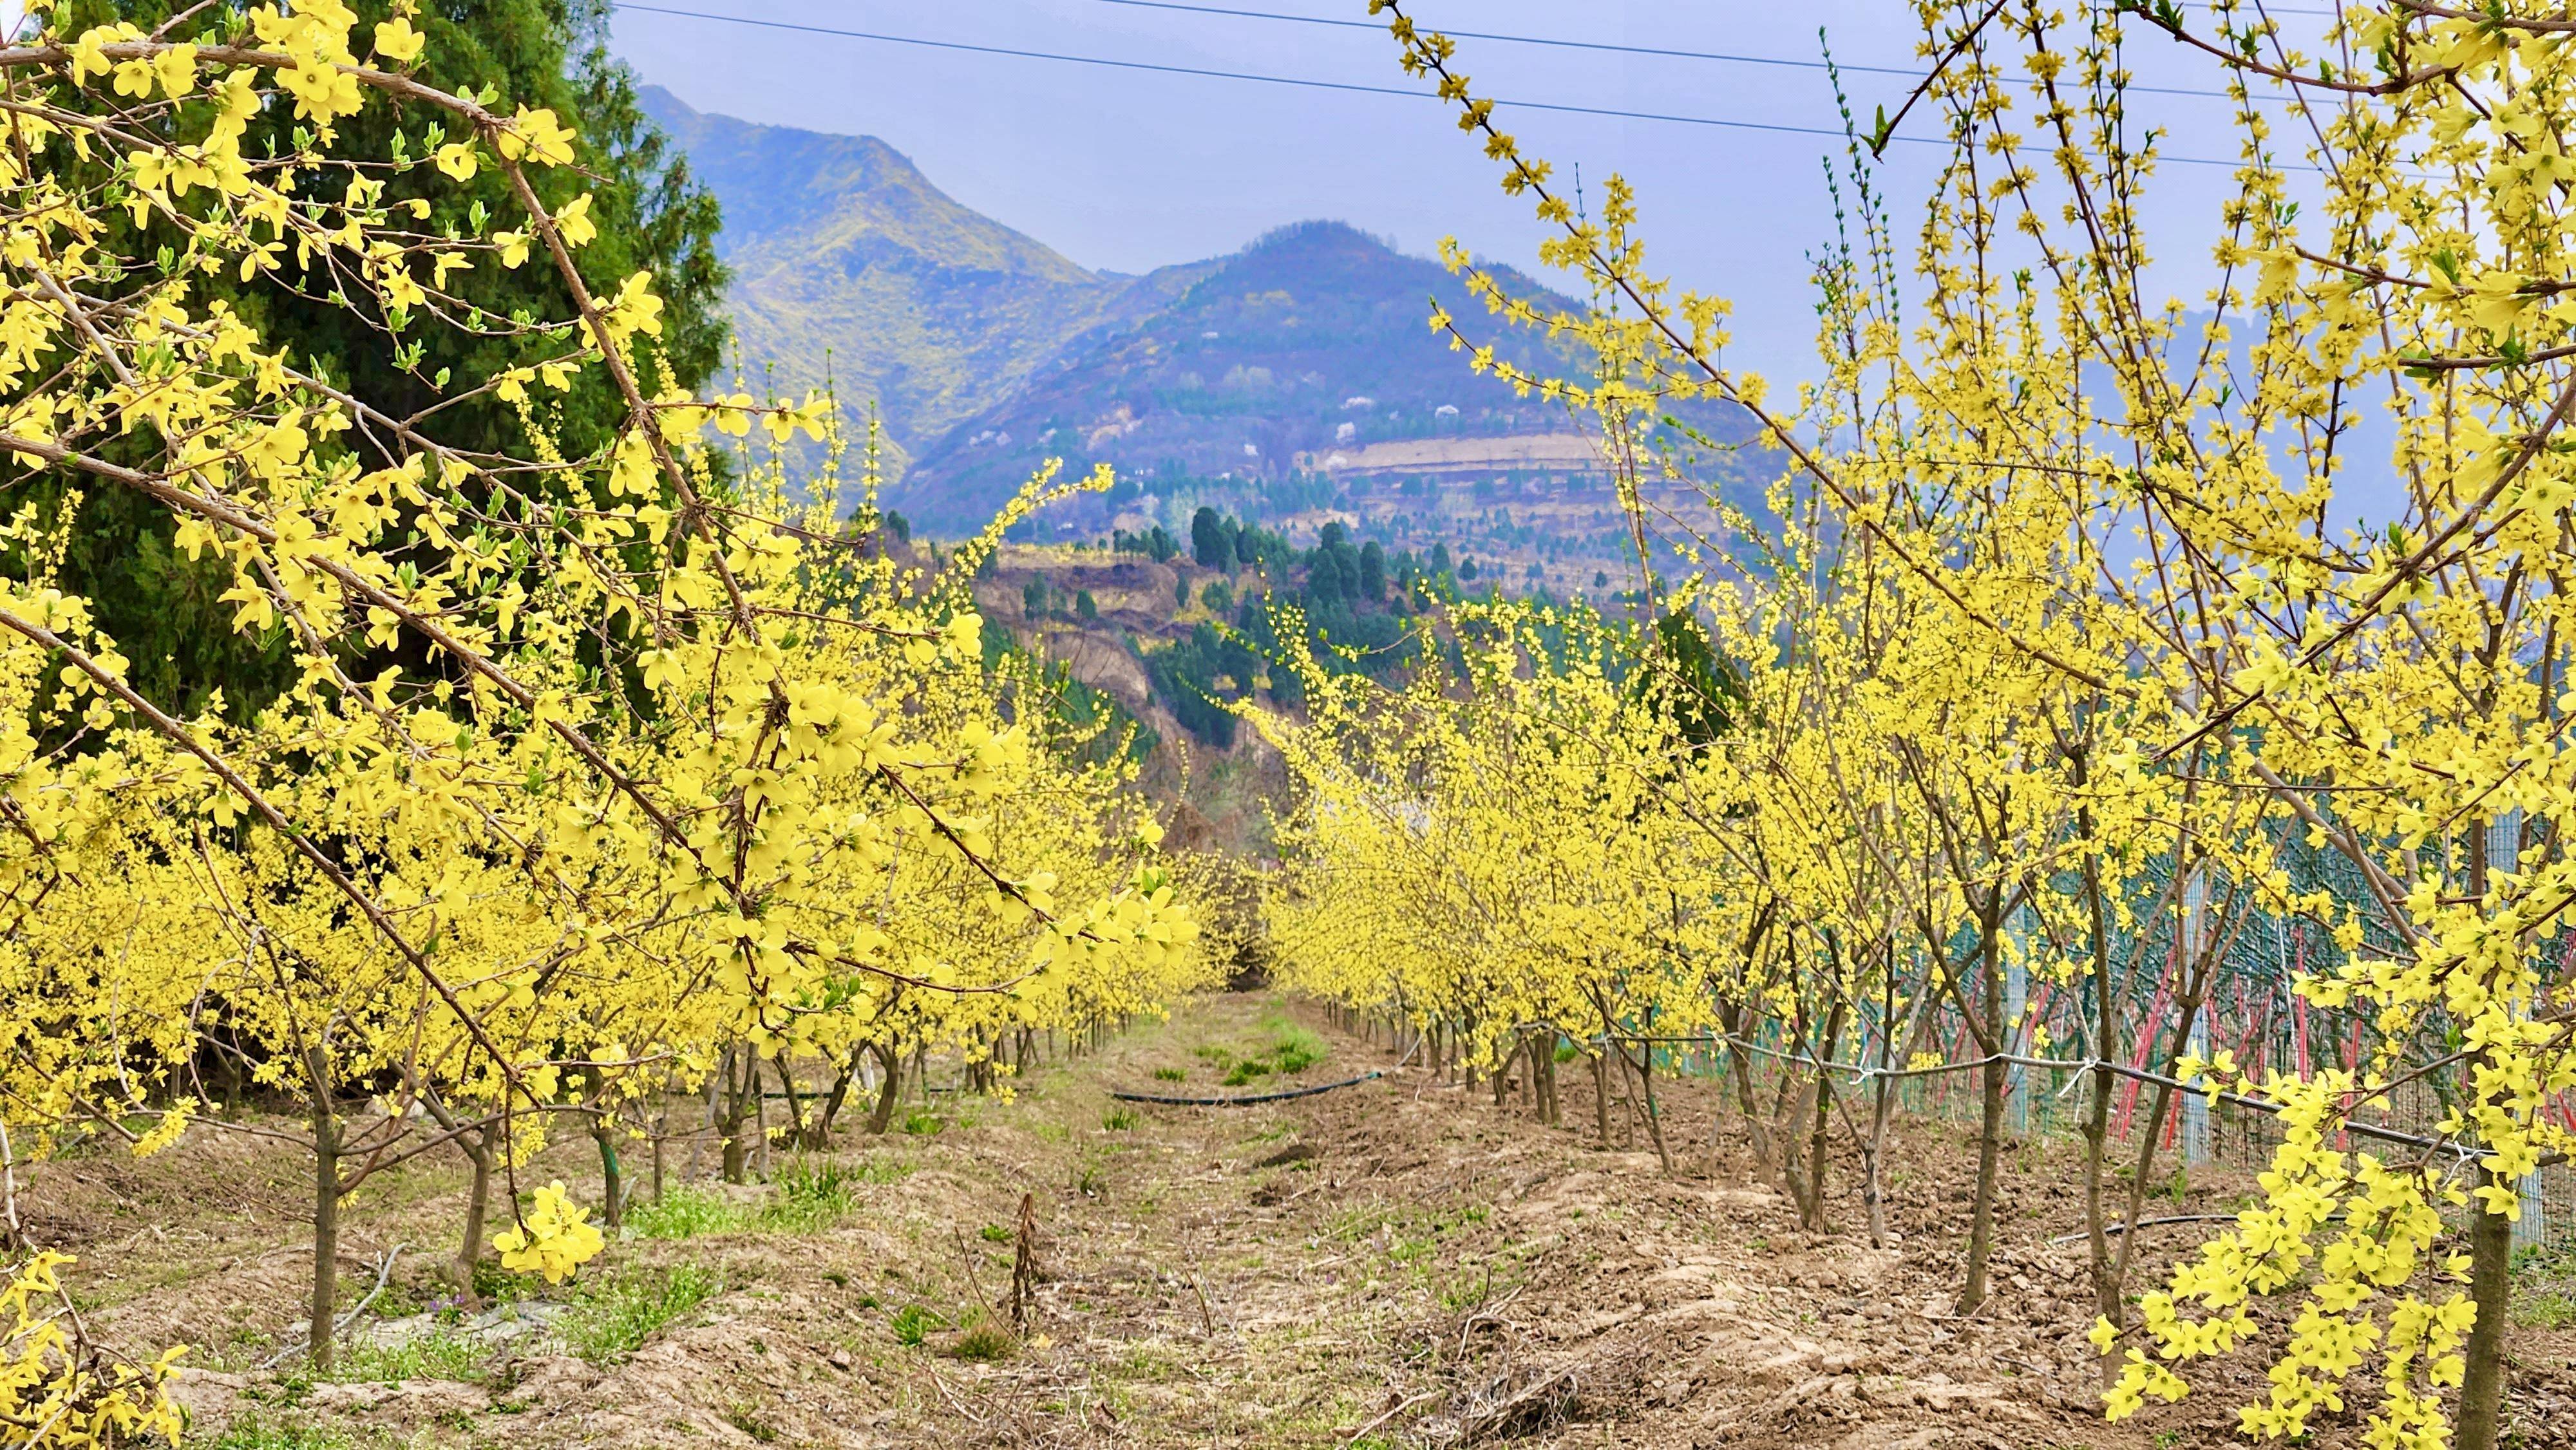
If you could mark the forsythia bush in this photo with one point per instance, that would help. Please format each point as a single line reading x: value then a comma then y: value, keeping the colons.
x: 2060, y: 634
x: 593, y: 766
x: 63, y: 1390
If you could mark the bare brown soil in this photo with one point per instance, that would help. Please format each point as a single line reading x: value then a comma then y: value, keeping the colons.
x: 1396, y: 1263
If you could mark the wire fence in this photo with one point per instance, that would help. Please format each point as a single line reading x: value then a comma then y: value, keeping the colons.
x: 2052, y: 1100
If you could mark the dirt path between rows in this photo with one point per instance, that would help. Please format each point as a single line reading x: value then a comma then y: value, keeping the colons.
x: 1395, y: 1263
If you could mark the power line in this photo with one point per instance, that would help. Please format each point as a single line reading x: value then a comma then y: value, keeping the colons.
x: 1884, y: 70
x: 1225, y: 75
x: 1350, y: 87
x: 1663, y: 52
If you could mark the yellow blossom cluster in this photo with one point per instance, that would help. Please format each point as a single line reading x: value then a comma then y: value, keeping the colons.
x: 592, y: 769
x: 2079, y: 616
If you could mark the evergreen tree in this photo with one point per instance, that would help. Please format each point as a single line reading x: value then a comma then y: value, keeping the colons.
x: 1207, y: 539
x: 166, y: 610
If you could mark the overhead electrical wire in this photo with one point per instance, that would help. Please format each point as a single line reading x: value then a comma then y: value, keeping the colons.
x: 1602, y: 45
x: 1351, y: 87
x: 1225, y: 75
x: 1661, y: 52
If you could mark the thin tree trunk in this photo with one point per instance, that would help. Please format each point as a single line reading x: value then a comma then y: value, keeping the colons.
x: 661, y: 1136
x: 737, y: 1151
x: 795, y: 1106
x: 319, y: 1345
x: 476, y: 1145
x: 1740, y: 1068
x: 1645, y: 1075
x: 612, y: 1174
x: 759, y: 1091
x: 1601, y: 1094
x: 478, y: 1208
x: 2151, y: 1135
x: 2491, y: 1289
x: 1654, y: 1116
x: 830, y: 1111
x: 2107, y: 1288
x: 1873, y: 1192
x: 1815, y: 1199
x: 1981, y: 1223
x: 892, y: 1061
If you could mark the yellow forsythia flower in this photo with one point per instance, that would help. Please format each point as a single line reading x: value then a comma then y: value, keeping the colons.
x: 397, y: 42
x: 555, y: 1238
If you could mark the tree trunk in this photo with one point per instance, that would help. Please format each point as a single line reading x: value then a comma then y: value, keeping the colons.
x: 2107, y: 1288
x: 1601, y: 1094
x: 1654, y: 1115
x: 2149, y: 1137
x: 1757, y: 1129
x: 737, y: 1149
x: 319, y: 1339
x: 612, y: 1174
x: 759, y: 1091
x: 892, y: 1062
x: 2491, y: 1289
x: 796, y: 1125
x: 1990, y: 1143
x: 478, y: 1209
x: 1873, y: 1192
x: 1816, y: 1142
x: 830, y: 1111
x: 661, y: 1136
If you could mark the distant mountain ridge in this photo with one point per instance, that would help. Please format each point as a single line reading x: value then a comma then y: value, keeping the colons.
x: 1246, y: 379
x: 1313, y: 337
x: 848, y: 262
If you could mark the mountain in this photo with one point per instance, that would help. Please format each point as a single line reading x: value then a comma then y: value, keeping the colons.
x: 1292, y: 383
x: 1312, y: 339
x: 848, y: 261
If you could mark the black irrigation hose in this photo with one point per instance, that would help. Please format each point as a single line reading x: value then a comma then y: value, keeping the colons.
x: 1304, y: 1092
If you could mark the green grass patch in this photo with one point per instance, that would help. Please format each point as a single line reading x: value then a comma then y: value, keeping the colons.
x: 257, y: 1432
x: 438, y: 1355
x: 1171, y: 1074
x: 684, y: 1212
x: 2544, y: 1282
x: 983, y: 1344
x: 811, y: 1194
x: 914, y: 1323
x: 1291, y: 1049
x: 612, y: 1320
x: 2545, y: 1311
x: 1119, y: 1120
x: 1295, y: 1049
x: 924, y: 1124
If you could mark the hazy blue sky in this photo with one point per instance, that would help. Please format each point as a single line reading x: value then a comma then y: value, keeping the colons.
x: 1128, y: 170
